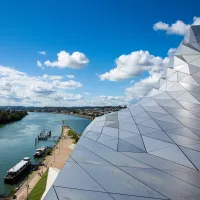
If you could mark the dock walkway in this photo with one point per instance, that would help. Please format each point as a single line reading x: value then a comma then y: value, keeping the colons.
x: 58, y: 158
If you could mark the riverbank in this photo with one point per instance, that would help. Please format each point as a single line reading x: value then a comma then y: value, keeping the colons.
x: 82, y: 116
x: 75, y: 115
x: 7, y: 116
x: 58, y: 158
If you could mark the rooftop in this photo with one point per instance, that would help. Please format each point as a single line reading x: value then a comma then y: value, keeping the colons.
x: 148, y: 151
x: 18, y: 166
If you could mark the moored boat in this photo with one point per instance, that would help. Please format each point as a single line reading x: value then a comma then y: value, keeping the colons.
x: 14, y: 173
x: 40, y: 152
x: 43, y: 135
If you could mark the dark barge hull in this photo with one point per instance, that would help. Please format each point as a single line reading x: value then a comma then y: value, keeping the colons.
x: 42, y: 138
x: 19, y: 177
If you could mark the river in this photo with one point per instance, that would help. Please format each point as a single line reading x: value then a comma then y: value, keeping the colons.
x: 17, y: 140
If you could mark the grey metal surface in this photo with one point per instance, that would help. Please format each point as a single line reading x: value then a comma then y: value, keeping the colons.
x: 150, y: 150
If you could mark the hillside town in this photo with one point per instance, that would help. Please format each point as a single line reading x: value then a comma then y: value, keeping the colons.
x: 87, y: 112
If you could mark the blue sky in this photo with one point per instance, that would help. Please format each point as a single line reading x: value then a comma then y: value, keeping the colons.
x: 101, y: 31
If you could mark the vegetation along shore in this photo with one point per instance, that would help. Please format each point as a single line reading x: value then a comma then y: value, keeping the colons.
x: 8, y: 116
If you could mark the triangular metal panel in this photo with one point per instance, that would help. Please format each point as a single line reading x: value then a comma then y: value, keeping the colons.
x: 167, y: 126
x: 195, y: 45
x: 185, y: 69
x: 131, y: 138
x: 150, y: 123
x: 108, y: 141
x: 190, y: 58
x: 160, y: 135
x: 146, y: 130
x: 189, y: 80
x: 193, y: 69
x: 173, y: 77
x: 176, y: 87
x: 127, y: 147
x: 193, y: 156
x: 187, y: 97
x: 173, y: 154
x: 196, y: 63
x: 186, y: 50
x: 172, y: 104
x: 153, y: 144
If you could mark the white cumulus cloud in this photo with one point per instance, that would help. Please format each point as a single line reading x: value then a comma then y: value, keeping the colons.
x: 133, y: 65
x: 5, y: 85
x: 141, y: 88
x: 178, y: 28
x: 42, y: 52
x: 70, y: 76
x: 39, y: 64
x: 171, y: 52
x: 19, y: 88
x: 43, y: 88
x: 87, y: 93
x: 48, y: 77
x: 68, y: 97
x: 68, y: 84
x: 104, y: 100
x: 76, y: 60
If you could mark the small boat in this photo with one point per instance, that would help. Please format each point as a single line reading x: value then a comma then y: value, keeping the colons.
x: 44, y: 136
x: 13, y: 173
x: 40, y: 152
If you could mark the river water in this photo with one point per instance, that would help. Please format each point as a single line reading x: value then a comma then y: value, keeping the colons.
x: 17, y: 140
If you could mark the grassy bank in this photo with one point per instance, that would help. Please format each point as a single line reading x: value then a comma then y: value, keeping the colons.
x: 39, y: 189
x: 74, y: 135
x: 2, y: 125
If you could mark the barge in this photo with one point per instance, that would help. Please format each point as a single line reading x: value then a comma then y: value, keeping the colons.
x: 44, y: 136
x: 13, y: 174
x: 40, y: 152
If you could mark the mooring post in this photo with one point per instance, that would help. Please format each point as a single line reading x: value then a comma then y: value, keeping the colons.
x: 27, y: 188
x: 35, y: 142
x: 54, y: 155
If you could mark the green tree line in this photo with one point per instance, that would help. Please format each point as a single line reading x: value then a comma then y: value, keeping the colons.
x: 7, y: 116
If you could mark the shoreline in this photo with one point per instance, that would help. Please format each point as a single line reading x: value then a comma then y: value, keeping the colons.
x: 81, y: 116
x: 57, y: 159
x: 76, y: 115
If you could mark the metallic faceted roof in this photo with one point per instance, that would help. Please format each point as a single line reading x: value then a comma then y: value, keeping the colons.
x: 150, y: 150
